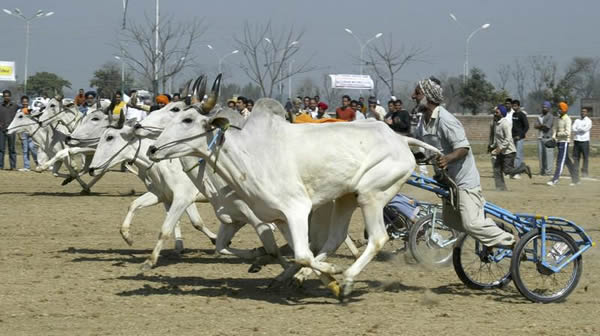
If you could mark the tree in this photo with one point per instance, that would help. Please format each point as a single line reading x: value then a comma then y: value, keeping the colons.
x: 308, y: 88
x: 476, y: 92
x: 504, y: 72
x: 157, y: 66
x: 108, y: 78
x: 46, y: 83
x: 267, y: 54
x: 387, y: 61
x: 519, y: 75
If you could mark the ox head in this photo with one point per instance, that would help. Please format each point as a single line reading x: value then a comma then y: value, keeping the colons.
x: 191, y: 131
x: 154, y: 124
x: 22, y: 123
x: 55, y: 111
x: 113, y: 146
x: 89, y: 130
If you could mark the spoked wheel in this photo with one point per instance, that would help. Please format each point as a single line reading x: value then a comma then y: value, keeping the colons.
x: 431, y: 242
x: 480, y: 267
x: 537, y: 282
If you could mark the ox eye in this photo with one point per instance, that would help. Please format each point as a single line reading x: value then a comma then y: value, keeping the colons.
x: 187, y: 120
x: 109, y: 138
x: 95, y: 119
x: 20, y: 117
x: 175, y: 109
x: 52, y: 105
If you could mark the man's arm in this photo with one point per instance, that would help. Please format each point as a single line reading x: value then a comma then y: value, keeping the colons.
x: 525, y: 124
x: 459, y: 153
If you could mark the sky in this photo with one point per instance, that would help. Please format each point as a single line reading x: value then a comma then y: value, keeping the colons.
x: 78, y: 38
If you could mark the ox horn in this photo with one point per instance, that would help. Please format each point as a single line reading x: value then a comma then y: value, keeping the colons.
x: 213, y: 96
x: 121, y: 121
x: 201, y: 90
x: 194, y: 100
x: 186, y: 89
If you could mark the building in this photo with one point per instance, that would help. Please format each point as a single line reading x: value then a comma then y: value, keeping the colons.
x: 592, y: 105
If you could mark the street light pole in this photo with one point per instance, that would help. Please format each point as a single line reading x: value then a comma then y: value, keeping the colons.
x: 17, y: 13
x: 362, y: 46
x: 466, y: 65
x: 122, y: 74
x: 221, y: 59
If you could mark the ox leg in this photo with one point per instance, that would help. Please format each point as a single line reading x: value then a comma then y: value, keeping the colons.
x: 146, y: 200
x: 226, y: 232
x: 61, y: 155
x: 178, y: 238
x: 174, y: 212
x: 375, y: 227
x: 198, y: 223
x: 75, y: 175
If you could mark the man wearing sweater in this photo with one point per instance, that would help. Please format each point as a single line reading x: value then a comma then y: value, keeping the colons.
x: 544, y: 126
x: 562, y: 135
x: 581, y: 141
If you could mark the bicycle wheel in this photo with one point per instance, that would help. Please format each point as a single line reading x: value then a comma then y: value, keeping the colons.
x: 537, y: 282
x: 479, y: 267
x: 432, y: 242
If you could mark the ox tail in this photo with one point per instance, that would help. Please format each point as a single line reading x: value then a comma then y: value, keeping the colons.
x: 414, y: 142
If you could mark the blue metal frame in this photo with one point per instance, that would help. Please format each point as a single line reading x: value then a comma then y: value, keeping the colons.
x: 523, y: 223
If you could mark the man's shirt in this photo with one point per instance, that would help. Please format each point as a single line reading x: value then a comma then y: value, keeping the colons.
x: 581, y: 129
x: 347, y: 113
x: 446, y: 133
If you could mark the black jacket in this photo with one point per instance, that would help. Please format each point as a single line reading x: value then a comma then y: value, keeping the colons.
x: 400, y: 121
x: 520, y: 125
x: 7, y: 114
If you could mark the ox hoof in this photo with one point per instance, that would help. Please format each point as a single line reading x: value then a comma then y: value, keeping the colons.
x: 85, y: 192
x: 335, y: 289
x: 127, y: 238
x: 347, y: 286
x: 67, y: 181
x: 39, y: 169
x: 274, y: 284
x: 213, y: 241
x: 254, y: 268
x: 146, y: 266
x: 179, y: 246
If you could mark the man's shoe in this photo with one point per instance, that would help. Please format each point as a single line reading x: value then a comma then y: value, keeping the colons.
x: 516, y: 177
x: 528, y: 171
x: 24, y: 169
x: 574, y: 183
x: 552, y: 183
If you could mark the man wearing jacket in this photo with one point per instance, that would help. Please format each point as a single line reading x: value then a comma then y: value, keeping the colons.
x: 562, y: 134
x: 8, y: 110
x: 503, y: 148
x: 520, y: 126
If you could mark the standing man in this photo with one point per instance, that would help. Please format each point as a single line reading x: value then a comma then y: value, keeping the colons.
x: 358, y: 115
x: 90, y: 99
x: 509, y: 109
x: 562, y: 134
x: 441, y: 129
x: 520, y: 126
x: 250, y: 105
x: 399, y: 120
x: 313, y: 108
x: 581, y: 141
x: 544, y: 126
x: 26, y: 142
x: 242, y: 106
x: 80, y: 98
x: 503, y: 148
x: 346, y: 112
x: 8, y: 109
x: 322, y: 113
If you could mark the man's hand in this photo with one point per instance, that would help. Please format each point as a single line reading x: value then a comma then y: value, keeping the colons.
x: 443, y: 161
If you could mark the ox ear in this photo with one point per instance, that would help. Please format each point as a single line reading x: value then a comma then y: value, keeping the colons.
x: 210, y: 103
x: 227, y: 117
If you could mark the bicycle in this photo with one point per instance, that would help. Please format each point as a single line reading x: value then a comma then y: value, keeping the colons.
x: 545, y: 265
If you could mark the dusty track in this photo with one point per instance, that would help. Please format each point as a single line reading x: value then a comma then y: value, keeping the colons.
x: 64, y: 270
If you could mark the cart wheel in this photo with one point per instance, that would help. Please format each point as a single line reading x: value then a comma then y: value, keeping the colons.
x: 479, y: 267
x: 432, y: 245
x: 537, y: 282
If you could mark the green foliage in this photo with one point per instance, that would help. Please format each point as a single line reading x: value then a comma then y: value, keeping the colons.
x: 46, y: 83
x: 476, y: 92
x: 108, y: 79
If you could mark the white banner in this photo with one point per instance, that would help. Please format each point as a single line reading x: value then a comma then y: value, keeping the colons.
x: 353, y: 82
x: 7, y: 71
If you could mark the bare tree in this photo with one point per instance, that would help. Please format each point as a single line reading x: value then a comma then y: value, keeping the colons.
x: 504, y: 72
x: 386, y: 61
x: 543, y: 72
x: 586, y: 82
x: 519, y: 74
x: 175, y: 41
x: 267, y: 54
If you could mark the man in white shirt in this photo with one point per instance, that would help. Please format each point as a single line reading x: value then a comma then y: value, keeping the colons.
x: 581, y: 141
x: 509, y: 114
x: 313, y: 109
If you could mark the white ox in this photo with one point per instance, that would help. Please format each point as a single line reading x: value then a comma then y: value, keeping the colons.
x: 282, y: 171
x: 165, y: 181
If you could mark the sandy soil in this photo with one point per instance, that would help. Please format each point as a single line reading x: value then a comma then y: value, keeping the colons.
x: 64, y: 270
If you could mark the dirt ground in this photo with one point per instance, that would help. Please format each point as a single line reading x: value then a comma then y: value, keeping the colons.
x: 64, y: 270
